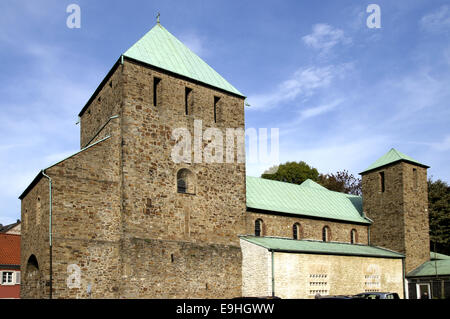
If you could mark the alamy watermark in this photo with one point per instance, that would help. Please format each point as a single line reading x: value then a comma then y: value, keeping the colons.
x: 74, y: 19
x: 214, y: 145
x: 374, y: 19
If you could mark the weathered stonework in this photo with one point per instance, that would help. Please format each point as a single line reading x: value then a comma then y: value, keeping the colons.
x: 298, y: 275
x: 282, y: 226
x: 116, y: 204
x: 400, y: 213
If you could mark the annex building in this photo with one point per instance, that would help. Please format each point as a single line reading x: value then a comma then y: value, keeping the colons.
x: 121, y: 219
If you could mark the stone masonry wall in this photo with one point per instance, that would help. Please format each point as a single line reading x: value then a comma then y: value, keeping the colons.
x: 256, y: 270
x: 177, y: 269
x: 417, y: 236
x: 154, y: 211
x: 35, y: 241
x: 281, y: 226
x: 107, y: 103
x: 304, y: 275
x: 400, y: 212
x: 385, y: 208
x: 86, y: 222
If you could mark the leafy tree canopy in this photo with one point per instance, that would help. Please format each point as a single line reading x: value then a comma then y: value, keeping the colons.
x: 298, y: 172
x: 439, y: 214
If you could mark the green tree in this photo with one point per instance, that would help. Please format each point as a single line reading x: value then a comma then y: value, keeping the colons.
x: 439, y: 214
x: 292, y: 172
x: 343, y: 182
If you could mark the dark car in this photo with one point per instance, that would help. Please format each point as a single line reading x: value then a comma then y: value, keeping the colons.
x: 377, y: 295
x: 334, y: 297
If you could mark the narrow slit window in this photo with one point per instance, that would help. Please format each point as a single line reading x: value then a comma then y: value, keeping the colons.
x: 326, y: 234
x: 296, y: 231
x: 258, y: 227
x: 156, y: 84
x: 382, y: 182
x: 216, y: 102
x: 353, y: 236
x: 187, y: 96
x: 415, y: 178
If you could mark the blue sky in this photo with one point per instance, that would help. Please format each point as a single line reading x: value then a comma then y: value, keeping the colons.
x: 341, y: 94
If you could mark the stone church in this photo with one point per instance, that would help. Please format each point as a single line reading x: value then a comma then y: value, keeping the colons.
x: 121, y: 219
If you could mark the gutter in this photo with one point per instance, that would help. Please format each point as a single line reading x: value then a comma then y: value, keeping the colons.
x: 273, y: 272
x: 50, y: 232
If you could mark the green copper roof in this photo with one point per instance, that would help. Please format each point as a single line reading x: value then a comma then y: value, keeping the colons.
x: 311, y: 183
x: 431, y: 268
x: 320, y: 247
x: 308, y: 199
x: 438, y: 256
x: 391, y: 157
x: 161, y: 49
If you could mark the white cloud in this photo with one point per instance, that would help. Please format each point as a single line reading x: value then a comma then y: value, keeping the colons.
x: 195, y: 42
x: 318, y: 110
x: 324, y: 37
x: 437, y: 21
x: 303, y: 83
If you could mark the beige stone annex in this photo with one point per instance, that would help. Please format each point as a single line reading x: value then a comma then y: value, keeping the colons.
x: 120, y: 219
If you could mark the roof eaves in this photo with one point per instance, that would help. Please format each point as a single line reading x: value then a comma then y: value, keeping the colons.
x: 100, y: 87
x: 393, y: 162
x: 159, y: 69
x: 395, y: 256
x: 41, y: 173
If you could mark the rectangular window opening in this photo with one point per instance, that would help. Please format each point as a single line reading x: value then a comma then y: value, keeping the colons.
x: 156, y: 84
x: 216, y: 101
x: 415, y: 178
x: 187, y: 94
x: 382, y: 182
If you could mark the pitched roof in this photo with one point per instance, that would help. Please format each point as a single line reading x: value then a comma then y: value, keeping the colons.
x: 308, y: 199
x: 161, y: 49
x: 9, y: 249
x: 320, y: 247
x: 438, y: 256
x: 4, y: 229
x: 440, y: 267
x: 390, y: 157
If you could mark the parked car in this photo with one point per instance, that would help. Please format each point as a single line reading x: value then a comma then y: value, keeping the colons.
x: 377, y: 295
x: 334, y: 297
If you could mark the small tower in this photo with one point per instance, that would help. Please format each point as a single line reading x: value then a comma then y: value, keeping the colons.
x: 395, y: 197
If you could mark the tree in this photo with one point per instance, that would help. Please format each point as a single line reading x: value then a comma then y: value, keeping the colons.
x: 298, y: 172
x: 343, y: 182
x: 292, y: 172
x: 439, y: 215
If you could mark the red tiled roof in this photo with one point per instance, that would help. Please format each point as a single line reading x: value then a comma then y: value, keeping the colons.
x: 9, y: 249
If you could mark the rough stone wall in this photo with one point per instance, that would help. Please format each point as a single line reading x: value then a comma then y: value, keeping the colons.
x: 177, y: 269
x: 86, y: 223
x: 87, y: 219
x: 281, y: 226
x: 35, y: 241
x: 256, y: 270
x: 152, y: 208
x: 385, y: 208
x: 107, y: 103
x: 417, y: 229
x: 302, y: 275
x: 399, y: 214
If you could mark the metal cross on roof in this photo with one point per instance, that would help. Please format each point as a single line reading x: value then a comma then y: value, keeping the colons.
x: 157, y: 18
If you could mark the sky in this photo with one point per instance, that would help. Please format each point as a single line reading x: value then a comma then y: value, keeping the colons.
x: 341, y: 94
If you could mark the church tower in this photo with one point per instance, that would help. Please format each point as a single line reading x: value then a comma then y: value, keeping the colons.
x: 395, y: 197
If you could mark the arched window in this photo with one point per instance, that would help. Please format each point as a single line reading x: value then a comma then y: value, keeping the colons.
x: 296, y: 231
x: 326, y: 234
x: 259, y: 228
x: 353, y: 236
x: 185, y: 181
